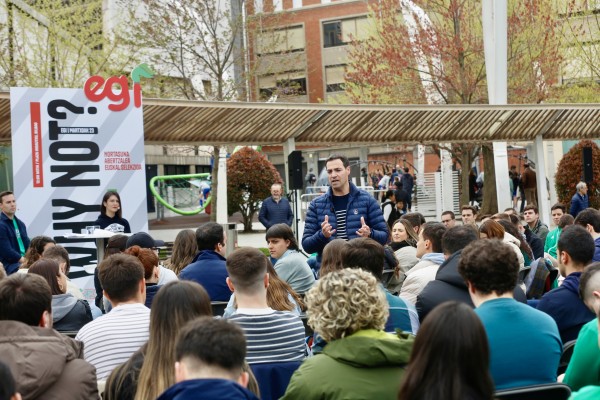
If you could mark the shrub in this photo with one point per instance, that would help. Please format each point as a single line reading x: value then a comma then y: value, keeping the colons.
x: 570, y: 171
x: 249, y: 179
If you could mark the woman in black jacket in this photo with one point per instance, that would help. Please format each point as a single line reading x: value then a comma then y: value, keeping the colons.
x: 111, y: 217
x: 68, y: 312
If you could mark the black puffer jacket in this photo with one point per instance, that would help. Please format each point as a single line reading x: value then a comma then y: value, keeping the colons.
x: 69, y: 313
x: 449, y: 285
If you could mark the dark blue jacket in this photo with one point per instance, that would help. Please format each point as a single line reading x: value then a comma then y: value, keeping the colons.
x: 272, y: 213
x: 597, y: 250
x: 578, y: 203
x: 566, y: 308
x: 208, y: 269
x: 151, y: 290
x: 360, y: 204
x: 9, y: 246
x: 207, y: 389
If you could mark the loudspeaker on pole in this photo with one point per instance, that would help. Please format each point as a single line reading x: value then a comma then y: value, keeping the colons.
x: 296, y: 180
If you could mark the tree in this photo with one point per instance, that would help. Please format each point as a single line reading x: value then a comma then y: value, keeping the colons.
x: 53, y: 44
x: 443, y: 59
x: 249, y: 179
x: 573, y: 163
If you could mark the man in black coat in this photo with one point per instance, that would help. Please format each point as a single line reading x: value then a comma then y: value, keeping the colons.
x: 448, y: 284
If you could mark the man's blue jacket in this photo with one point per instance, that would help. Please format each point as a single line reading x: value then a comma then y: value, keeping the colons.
x: 360, y: 204
x: 272, y: 212
x: 9, y: 246
x: 578, y: 204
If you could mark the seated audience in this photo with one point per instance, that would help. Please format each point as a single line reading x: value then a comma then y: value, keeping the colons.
x: 280, y: 295
x: 348, y: 308
x: 450, y: 358
x: 271, y: 335
x: 61, y: 256
x: 584, y: 367
x: 291, y: 265
x: 557, y: 211
x: 111, y: 339
x: 68, y: 312
x: 491, y: 270
x: 149, y: 260
x: 575, y: 250
x: 145, y: 241
x: 36, y: 247
x: 416, y: 220
x: 429, y: 252
x: 209, y: 362
x: 367, y: 254
x: 149, y: 371
x: 185, y: 249
x: 46, y: 364
x: 591, y: 392
x: 332, y: 257
x: 208, y: 267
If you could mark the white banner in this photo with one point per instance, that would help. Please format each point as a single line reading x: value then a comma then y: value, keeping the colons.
x: 67, y: 152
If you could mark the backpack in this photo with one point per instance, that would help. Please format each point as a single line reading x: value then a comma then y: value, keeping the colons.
x: 542, y: 273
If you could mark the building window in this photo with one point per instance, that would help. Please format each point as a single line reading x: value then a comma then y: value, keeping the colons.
x: 290, y: 39
x: 334, y: 78
x: 332, y: 34
x: 283, y: 84
x: 340, y: 33
x: 202, y: 169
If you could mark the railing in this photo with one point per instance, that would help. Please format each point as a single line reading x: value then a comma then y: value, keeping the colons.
x: 174, y: 192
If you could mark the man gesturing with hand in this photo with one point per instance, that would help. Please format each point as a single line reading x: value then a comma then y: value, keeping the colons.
x: 344, y: 212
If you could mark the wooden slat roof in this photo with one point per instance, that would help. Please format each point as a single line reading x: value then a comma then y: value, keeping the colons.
x: 198, y: 122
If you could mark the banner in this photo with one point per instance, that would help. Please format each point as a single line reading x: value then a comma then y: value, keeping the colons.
x: 69, y: 147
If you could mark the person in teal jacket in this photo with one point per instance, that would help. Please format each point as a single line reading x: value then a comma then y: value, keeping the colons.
x: 348, y: 308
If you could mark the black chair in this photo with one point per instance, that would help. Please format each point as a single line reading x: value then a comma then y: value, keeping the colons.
x: 308, y: 331
x: 566, y: 355
x: 548, y: 391
x: 218, y: 307
x: 70, y: 334
x: 273, y: 378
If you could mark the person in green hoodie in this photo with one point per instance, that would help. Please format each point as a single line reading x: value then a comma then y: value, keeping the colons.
x: 349, y: 309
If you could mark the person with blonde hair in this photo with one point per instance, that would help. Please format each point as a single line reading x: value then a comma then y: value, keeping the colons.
x: 149, y: 371
x: 185, y: 249
x: 348, y: 308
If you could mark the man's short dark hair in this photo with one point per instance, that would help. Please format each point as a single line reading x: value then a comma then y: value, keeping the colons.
x: 364, y: 253
x: 58, y: 254
x: 490, y: 266
x: 457, y: 238
x: 469, y: 207
x: 566, y: 220
x: 406, y: 169
x: 208, y: 235
x: 340, y: 157
x: 450, y: 213
x: 246, y: 267
x: 207, y: 341
x: 416, y: 219
x: 589, y: 216
x: 434, y: 232
x: 577, y: 242
x: 5, y: 193
x: 531, y: 207
x: 120, y: 276
x: 558, y: 206
x: 24, y: 298
x: 589, y: 281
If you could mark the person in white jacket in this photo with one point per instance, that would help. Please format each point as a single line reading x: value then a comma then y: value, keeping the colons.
x: 429, y: 252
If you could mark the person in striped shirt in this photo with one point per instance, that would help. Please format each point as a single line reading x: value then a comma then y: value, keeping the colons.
x: 272, y: 336
x: 111, y: 339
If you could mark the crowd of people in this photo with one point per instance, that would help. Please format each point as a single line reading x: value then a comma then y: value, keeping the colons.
x: 401, y: 309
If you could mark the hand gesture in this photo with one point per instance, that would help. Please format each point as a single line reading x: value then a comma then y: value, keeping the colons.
x: 326, y: 228
x: 364, y: 230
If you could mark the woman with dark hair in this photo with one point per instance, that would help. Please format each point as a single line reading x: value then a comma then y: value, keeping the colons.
x: 280, y: 296
x: 185, y: 248
x: 491, y: 229
x: 521, y: 243
x: 110, y: 217
x: 291, y: 265
x: 150, y: 371
x: 149, y: 260
x: 450, y: 358
x: 404, y: 245
x: 36, y: 247
x: 68, y: 312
